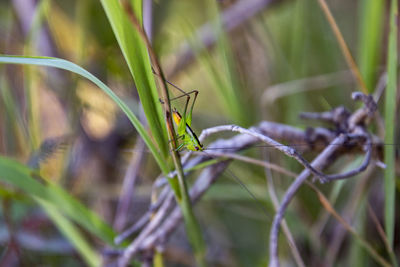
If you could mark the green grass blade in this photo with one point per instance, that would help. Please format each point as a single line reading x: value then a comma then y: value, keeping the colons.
x: 67, y: 65
x: 223, y: 73
x: 136, y: 56
x: 57, y: 203
x: 220, y: 67
x: 358, y: 256
x: 23, y: 178
x: 193, y: 231
x: 72, y: 233
x: 370, y: 40
x: 17, y: 130
x: 390, y: 123
x: 31, y: 78
x: 231, y: 91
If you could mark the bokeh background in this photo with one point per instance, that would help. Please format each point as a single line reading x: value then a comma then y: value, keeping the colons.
x: 270, y: 60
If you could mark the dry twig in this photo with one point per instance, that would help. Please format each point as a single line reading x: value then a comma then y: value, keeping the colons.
x: 155, y: 233
x: 355, y: 126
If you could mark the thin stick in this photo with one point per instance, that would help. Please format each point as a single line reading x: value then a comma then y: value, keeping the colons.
x: 133, y: 228
x: 151, y: 227
x: 373, y: 253
x: 264, y: 164
x: 380, y: 229
x: 206, y: 178
x: 128, y: 186
x: 182, y: 197
x: 166, y: 226
x: 289, y: 151
x: 356, y: 171
x: 319, y: 162
x: 165, y: 197
x: 184, y: 93
x: 274, y: 198
x: 345, y: 50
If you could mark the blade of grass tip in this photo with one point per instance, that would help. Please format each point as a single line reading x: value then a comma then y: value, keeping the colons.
x: 343, y: 46
x: 136, y: 56
x: 370, y: 40
x: 67, y: 65
x: 182, y: 196
x: 390, y: 124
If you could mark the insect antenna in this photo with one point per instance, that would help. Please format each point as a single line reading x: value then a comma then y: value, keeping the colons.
x: 244, y: 187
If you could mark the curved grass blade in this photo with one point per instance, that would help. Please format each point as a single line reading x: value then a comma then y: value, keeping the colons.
x: 67, y: 65
x: 26, y: 179
x: 58, y: 203
x: 371, y: 32
x: 136, y: 56
x: 71, y: 233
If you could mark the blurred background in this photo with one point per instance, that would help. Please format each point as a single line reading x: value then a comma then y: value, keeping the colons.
x: 250, y: 61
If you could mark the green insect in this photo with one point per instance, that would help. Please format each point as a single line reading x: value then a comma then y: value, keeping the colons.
x: 185, y: 133
x: 187, y: 136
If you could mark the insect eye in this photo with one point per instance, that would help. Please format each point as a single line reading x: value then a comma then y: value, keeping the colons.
x: 197, y: 148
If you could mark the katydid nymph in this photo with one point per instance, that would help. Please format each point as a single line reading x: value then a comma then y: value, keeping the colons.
x: 185, y: 133
x: 189, y: 139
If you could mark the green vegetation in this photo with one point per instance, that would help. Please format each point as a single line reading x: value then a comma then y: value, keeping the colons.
x: 84, y: 138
